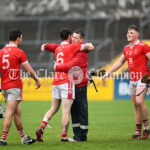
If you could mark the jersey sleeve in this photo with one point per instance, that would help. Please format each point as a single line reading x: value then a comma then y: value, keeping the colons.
x: 51, y: 47
x: 66, y: 66
x: 146, y: 49
x: 23, y: 58
x: 75, y: 47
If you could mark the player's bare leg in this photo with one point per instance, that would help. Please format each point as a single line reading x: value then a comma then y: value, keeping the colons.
x: 66, y: 107
x: 48, y: 115
x: 17, y: 118
x: 15, y: 110
x: 138, y: 118
x: 11, y: 107
x: 144, y: 113
x: 54, y: 108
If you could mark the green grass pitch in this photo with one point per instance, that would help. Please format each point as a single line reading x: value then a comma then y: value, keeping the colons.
x: 110, y: 126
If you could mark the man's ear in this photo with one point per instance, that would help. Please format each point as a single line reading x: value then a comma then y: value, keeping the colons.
x: 81, y: 41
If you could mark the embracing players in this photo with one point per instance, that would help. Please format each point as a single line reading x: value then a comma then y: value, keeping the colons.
x: 63, y: 89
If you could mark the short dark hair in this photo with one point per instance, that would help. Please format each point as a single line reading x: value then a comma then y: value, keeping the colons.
x: 82, y: 34
x: 64, y: 33
x: 133, y: 27
x: 13, y: 35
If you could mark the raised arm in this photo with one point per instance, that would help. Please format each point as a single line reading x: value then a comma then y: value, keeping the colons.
x: 87, y: 47
x: 29, y: 69
x: 49, y: 47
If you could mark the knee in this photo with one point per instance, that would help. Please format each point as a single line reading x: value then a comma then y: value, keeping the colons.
x: 9, y: 113
x: 66, y: 112
x: 54, y: 110
x: 136, y: 106
x: 139, y: 103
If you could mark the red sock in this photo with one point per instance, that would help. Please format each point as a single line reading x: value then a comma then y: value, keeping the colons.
x: 138, y: 128
x: 43, y: 125
x: 21, y: 133
x: 4, y: 135
x: 64, y: 135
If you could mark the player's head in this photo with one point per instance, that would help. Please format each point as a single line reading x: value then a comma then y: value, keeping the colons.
x: 66, y: 34
x: 78, y: 36
x: 133, y: 33
x: 15, y: 36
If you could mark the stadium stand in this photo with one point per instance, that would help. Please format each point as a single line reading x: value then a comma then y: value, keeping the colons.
x: 98, y: 8
x: 104, y: 22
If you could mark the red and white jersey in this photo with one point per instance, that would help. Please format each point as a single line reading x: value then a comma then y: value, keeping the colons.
x: 137, y: 60
x: 80, y: 59
x: 11, y: 58
x: 63, y: 54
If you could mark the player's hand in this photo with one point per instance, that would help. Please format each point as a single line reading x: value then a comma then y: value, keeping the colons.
x: 107, y: 74
x: 43, y: 47
x: 104, y: 77
x: 38, y: 84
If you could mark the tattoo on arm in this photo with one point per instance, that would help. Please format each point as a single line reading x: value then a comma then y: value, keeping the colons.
x: 86, y: 48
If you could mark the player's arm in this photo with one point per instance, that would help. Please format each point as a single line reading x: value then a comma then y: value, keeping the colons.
x: 116, y: 66
x: 148, y: 56
x: 66, y: 66
x: 49, y: 47
x: 29, y: 69
x: 87, y: 47
x: 146, y: 49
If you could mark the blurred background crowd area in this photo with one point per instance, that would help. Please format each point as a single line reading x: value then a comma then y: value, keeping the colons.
x: 104, y: 22
x: 74, y: 8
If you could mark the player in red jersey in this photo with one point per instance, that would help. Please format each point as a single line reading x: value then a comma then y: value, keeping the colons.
x: 79, y: 109
x: 137, y: 55
x: 11, y: 58
x: 63, y: 89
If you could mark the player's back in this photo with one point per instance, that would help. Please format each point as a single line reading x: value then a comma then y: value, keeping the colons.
x: 63, y: 54
x: 11, y: 58
x: 66, y: 52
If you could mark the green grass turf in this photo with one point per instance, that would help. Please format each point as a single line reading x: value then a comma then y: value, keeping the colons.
x: 110, y: 126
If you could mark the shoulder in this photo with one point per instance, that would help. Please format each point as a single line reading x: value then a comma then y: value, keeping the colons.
x: 18, y: 50
x: 76, y: 45
x: 1, y: 51
x: 126, y: 47
x: 142, y: 44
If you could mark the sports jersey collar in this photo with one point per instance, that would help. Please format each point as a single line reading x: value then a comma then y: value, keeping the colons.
x: 136, y: 43
x: 11, y: 45
x: 62, y: 43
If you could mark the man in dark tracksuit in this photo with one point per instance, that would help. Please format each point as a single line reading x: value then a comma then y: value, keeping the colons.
x: 79, y: 113
x: 79, y: 109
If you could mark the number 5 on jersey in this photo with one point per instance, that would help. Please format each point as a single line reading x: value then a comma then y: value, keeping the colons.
x: 5, y: 61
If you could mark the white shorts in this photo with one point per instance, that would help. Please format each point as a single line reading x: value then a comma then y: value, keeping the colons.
x: 66, y: 90
x: 12, y: 94
x: 134, y: 85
